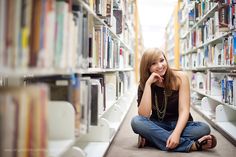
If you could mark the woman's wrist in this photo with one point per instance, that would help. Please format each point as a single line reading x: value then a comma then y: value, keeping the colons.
x: 148, y: 83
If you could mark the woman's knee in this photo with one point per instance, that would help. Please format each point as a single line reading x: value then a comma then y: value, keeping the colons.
x: 203, y: 129
x: 195, y: 130
x: 137, y: 123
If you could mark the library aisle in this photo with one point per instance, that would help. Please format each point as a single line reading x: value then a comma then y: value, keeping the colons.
x: 69, y: 71
x: 125, y: 142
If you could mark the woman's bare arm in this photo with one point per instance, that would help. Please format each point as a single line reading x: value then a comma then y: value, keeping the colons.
x: 145, y: 106
x: 184, y: 109
x: 184, y: 103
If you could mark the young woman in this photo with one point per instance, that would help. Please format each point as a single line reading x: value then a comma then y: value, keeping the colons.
x: 164, y: 119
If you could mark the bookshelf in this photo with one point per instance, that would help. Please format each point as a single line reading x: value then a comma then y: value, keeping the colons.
x: 72, y: 63
x: 139, y: 46
x: 172, y: 39
x: 208, y: 55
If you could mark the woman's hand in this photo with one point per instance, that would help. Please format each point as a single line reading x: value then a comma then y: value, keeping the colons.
x: 154, y: 77
x: 173, y: 141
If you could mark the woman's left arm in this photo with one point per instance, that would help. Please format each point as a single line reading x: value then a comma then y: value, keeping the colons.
x: 184, y: 110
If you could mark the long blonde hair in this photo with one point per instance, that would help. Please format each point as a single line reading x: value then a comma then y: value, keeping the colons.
x: 149, y: 56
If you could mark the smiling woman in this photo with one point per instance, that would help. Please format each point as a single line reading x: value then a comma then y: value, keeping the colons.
x: 164, y: 119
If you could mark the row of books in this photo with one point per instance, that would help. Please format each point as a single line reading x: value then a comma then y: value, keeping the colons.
x: 185, y: 17
x: 23, y: 121
x: 221, y: 53
x: 222, y: 20
x: 210, y: 29
x: 199, y: 9
x: 203, y: 33
x: 23, y: 110
x: 222, y: 85
x: 105, y: 9
x: 62, y: 88
x: 55, y: 34
x: 228, y: 13
x: 90, y: 94
x: 225, y: 12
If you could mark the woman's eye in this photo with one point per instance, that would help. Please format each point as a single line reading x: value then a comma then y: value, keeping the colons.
x: 161, y: 60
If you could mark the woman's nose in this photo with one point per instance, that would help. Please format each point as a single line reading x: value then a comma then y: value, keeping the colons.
x: 159, y: 65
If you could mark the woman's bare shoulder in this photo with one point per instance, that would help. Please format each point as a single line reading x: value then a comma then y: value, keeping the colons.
x: 180, y: 74
x: 181, y: 77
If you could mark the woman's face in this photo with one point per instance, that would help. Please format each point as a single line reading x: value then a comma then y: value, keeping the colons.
x: 159, y: 66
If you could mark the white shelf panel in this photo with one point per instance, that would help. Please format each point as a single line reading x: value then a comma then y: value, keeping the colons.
x: 100, y: 70
x: 31, y: 72
x: 96, y: 146
x: 208, y: 114
x: 34, y: 72
x: 58, y: 147
x: 114, y: 126
x: 125, y: 98
x: 215, y: 98
x: 96, y: 149
x: 229, y: 127
x: 109, y: 104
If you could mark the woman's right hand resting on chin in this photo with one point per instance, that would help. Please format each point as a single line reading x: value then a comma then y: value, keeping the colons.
x: 154, y: 77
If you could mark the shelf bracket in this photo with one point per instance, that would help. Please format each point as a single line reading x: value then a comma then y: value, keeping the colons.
x: 75, y: 152
x: 98, y: 133
x: 225, y: 114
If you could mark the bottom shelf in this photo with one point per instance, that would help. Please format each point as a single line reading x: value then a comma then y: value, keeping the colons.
x: 97, y: 141
x: 227, y: 129
x: 93, y: 145
x: 93, y: 149
x: 58, y: 147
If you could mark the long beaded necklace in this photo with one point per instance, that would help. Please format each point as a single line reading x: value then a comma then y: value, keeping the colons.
x: 161, y: 112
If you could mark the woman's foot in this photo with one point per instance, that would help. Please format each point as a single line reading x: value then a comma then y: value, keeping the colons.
x: 204, y: 143
x: 141, y: 142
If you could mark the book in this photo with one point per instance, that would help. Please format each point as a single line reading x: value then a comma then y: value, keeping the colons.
x: 78, y: 17
x: 95, y: 94
x: 36, y: 27
x: 234, y: 91
x: 26, y: 18
x: 2, y: 31
x: 109, y: 12
x: 234, y: 47
x: 215, y: 83
x: 85, y: 101
x: 223, y: 17
x: 118, y: 14
x: 110, y: 84
x: 7, y: 124
x: 101, y: 79
x: 62, y: 11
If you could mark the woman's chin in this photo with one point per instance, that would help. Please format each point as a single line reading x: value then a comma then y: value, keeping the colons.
x: 161, y: 73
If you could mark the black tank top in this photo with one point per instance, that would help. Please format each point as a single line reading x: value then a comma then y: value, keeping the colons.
x: 172, y: 112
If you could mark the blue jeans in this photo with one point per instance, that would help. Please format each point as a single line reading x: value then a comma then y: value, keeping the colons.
x: 157, y: 133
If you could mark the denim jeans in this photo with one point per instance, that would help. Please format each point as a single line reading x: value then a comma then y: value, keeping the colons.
x: 157, y: 133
